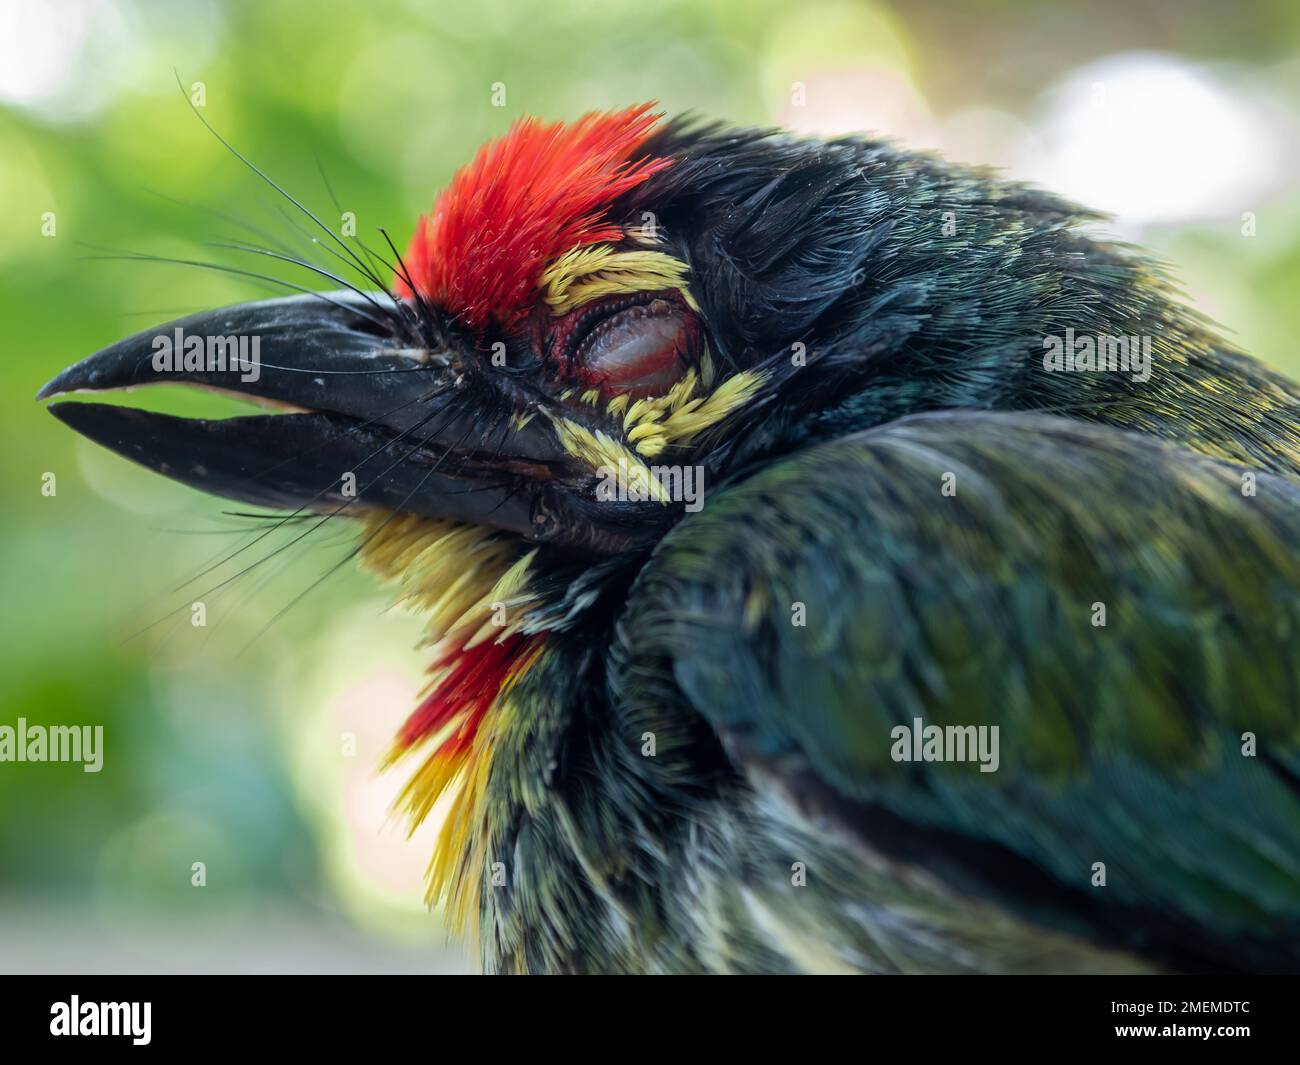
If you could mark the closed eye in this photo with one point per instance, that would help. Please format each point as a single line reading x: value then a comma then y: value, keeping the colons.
x: 637, y: 345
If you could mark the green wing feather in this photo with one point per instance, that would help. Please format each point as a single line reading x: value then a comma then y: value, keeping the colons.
x: 1123, y: 743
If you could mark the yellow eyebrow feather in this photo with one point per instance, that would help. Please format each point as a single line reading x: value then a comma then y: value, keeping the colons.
x: 588, y: 273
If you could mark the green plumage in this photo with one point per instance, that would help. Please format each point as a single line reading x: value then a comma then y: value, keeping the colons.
x: 1121, y: 743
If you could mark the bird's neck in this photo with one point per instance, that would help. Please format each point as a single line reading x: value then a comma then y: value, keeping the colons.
x: 472, y: 585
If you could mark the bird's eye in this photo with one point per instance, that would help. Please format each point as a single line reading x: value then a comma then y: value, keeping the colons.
x: 637, y: 348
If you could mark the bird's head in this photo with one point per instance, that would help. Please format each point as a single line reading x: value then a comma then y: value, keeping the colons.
x: 597, y: 325
x: 549, y: 324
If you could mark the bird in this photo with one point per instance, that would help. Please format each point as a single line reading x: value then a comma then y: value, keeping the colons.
x: 835, y: 558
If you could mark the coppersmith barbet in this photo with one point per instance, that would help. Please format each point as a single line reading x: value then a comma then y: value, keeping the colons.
x: 721, y: 738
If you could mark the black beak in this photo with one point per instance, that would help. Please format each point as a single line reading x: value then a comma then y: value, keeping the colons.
x: 381, y: 417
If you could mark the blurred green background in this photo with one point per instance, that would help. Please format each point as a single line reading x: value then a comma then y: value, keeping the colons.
x: 255, y: 749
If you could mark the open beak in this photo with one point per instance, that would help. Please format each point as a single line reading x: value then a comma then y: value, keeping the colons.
x: 376, y: 415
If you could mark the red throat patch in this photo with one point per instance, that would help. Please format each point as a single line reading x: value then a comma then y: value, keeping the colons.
x: 538, y: 192
x: 473, y: 681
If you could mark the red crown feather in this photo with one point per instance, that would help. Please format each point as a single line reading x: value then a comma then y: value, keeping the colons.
x: 532, y: 195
